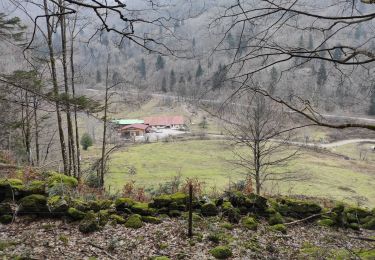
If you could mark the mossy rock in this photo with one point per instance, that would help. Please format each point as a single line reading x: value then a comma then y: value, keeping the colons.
x: 37, y: 187
x: 97, y: 205
x: 143, y: 209
x: 175, y: 206
x: 275, y: 218
x: 297, y: 208
x: 150, y: 219
x: 6, y: 209
x: 33, y: 204
x: 134, y: 221
x: 11, y: 188
x: 358, y: 212
x: 90, y: 223
x: 370, y: 224
x: 256, y: 203
x: 103, y: 216
x: 58, y: 178
x: 236, y: 198
x: 279, y: 228
x: 327, y: 222
x: 174, y: 213
x: 76, y: 214
x: 221, y: 252
x: 249, y: 223
x: 123, y: 203
x: 196, y: 217
x: 339, y: 216
x: 209, y: 209
x: 226, y: 205
x: 233, y: 215
x: 6, y: 219
x: 117, y: 219
x: 80, y: 205
x: 165, y: 200
x: 57, y: 205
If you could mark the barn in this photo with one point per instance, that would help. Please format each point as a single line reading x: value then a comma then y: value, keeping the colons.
x: 173, y: 122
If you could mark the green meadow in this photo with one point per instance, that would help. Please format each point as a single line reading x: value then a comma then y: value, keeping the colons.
x: 320, y: 174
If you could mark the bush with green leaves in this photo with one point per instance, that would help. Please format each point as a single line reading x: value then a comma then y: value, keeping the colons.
x: 86, y: 141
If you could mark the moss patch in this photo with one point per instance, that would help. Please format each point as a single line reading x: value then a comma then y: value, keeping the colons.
x: 221, y: 252
x: 134, y: 221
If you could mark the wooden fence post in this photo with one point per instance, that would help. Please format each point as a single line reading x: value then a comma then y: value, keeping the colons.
x: 190, y: 229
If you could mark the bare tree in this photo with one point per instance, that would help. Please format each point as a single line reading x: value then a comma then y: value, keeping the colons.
x: 261, y: 139
x: 268, y: 33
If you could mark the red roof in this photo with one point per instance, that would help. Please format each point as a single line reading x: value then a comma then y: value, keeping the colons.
x: 136, y: 126
x: 164, y: 120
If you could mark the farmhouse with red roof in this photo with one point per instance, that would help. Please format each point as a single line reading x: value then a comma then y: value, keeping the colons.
x: 173, y: 122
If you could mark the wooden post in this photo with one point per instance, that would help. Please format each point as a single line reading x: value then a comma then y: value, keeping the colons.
x: 190, y: 229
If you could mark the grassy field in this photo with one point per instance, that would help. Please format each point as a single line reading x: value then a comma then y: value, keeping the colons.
x: 323, y: 174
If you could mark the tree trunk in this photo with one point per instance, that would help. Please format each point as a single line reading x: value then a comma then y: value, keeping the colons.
x: 36, y: 127
x: 102, y: 168
x: 72, y: 158
x: 72, y: 72
x: 55, y: 88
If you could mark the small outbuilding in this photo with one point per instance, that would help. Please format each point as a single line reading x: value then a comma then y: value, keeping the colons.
x: 134, y: 130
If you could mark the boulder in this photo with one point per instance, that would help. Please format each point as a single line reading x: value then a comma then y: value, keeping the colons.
x: 97, y: 205
x: 33, y: 204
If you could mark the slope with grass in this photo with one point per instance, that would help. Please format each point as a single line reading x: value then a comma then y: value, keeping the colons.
x: 322, y: 174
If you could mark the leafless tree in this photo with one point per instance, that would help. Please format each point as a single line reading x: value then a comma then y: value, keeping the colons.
x: 268, y: 32
x: 261, y: 139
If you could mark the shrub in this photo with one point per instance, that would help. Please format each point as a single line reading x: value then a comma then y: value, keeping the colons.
x: 86, y: 141
x: 221, y: 252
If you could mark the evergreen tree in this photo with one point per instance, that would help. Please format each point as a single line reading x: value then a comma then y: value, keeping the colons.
x: 322, y: 74
x: 86, y: 141
x: 199, y: 71
x: 142, y: 68
x: 160, y: 63
x: 164, y: 85
x: 311, y: 42
x: 219, y: 77
x: 172, y: 80
x: 98, y: 76
x: 11, y: 28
